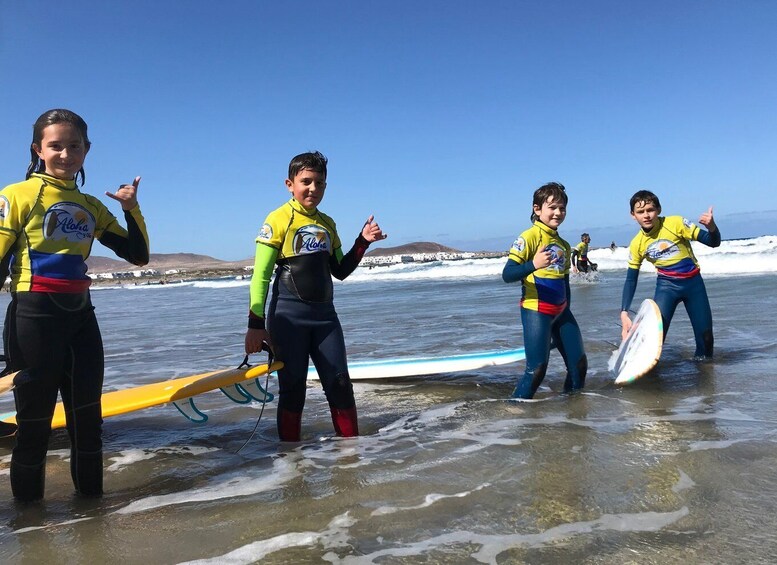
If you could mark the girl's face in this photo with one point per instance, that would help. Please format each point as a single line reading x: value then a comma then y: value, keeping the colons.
x: 551, y: 213
x: 62, y: 149
x: 307, y: 187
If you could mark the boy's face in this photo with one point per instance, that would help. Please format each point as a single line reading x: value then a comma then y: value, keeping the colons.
x: 645, y: 213
x: 551, y: 213
x: 307, y: 187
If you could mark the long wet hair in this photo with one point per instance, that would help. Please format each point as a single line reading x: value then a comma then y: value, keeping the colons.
x: 51, y: 117
x: 554, y: 190
x: 311, y: 161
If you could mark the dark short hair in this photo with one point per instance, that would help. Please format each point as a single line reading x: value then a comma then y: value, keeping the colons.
x: 554, y: 190
x: 48, y: 118
x: 311, y: 161
x: 644, y: 196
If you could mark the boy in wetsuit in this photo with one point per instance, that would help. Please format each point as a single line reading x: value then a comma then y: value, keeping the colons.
x: 301, y: 244
x: 539, y: 259
x: 666, y: 242
x: 580, y: 262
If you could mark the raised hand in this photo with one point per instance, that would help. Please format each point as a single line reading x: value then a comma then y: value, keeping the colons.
x: 126, y: 194
x: 371, y: 230
x: 708, y: 221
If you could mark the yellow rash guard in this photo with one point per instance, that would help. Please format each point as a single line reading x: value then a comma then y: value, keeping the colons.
x: 307, y: 251
x: 544, y: 290
x: 582, y: 250
x: 668, y: 247
x: 48, y: 227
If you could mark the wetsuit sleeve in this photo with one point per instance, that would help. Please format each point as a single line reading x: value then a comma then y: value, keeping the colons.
x: 130, y: 244
x: 573, y: 256
x: 568, y: 289
x: 710, y: 239
x: 514, y: 271
x: 343, y: 265
x: 260, y: 284
x: 629, y: 288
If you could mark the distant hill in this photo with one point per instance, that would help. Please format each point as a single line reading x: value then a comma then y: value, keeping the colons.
x: 164, y: 262
x: 192, y: 261
x: 412, y: 248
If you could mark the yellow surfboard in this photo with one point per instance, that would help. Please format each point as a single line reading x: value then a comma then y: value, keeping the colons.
x: 240, y: 385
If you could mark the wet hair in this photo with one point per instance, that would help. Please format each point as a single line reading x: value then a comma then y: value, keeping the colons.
x: 582, y: 235
x: 554, y: 190
x: 644, y: 196
x: 51, y: 117
x: 311, y: 161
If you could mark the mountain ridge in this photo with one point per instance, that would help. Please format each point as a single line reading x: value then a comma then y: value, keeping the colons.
x: 194, y: 261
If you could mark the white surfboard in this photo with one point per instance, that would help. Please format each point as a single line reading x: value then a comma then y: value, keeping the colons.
x: 418, y: 366
x: 641, y: 349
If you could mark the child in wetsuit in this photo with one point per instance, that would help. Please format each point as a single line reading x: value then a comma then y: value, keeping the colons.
x: 666, y: 242
x: 301, y: 244
x: 540, y: 259
x: 47, y: 229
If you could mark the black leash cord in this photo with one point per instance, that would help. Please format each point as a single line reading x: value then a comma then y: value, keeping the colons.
x: 264, y: 402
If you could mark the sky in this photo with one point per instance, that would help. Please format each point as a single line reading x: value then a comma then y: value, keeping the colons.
x: 441, y: 118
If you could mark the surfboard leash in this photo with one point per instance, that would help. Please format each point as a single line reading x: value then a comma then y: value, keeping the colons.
x: 270, y: 359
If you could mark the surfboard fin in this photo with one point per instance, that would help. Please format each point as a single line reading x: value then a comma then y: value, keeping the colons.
x: 236, y: 394
x: 255, y: 391
x: 187, y: 408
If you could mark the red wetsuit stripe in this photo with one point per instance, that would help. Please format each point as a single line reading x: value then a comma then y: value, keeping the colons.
x: 676, y: 275
x: 46, y: 284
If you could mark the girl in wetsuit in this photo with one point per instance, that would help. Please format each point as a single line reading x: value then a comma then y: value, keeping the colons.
x: 301, y: 244
x: 47, y: 229
x: 540, y: 258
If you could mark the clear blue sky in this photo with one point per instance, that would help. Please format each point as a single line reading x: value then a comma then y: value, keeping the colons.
x: 441, y: 117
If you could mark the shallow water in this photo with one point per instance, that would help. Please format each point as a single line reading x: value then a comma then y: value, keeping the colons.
x: 676, y: 468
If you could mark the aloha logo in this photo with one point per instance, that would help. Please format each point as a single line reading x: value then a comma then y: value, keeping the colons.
x: 68, y: 221
x: 5, y: 208
x: 662, y: 249
x: 558, y: 258
x: 310, y: 239
x: 265, y: 233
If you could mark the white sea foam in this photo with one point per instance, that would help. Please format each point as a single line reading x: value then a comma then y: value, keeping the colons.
x: 333, y: 536
x: 747, y: 256
x: 429, y: 500
x: 284, y: 469
x: 130, y: 456
x: 683, y: 483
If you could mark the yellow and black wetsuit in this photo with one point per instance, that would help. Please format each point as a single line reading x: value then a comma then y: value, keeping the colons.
x: 545, y: 313
x: 47, y: 229
x: 304, y: 249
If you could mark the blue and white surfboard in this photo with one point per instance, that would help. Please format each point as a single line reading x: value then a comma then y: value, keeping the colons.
x: 419, y: 366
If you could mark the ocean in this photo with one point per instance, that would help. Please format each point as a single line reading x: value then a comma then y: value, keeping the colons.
x: 676, y: 468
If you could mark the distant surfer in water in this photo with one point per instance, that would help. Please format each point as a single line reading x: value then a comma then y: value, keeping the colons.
x: 301, y: 244
x: 666, y: 243
x: 47, y: 229
x: 539, y: 258
x: 580, y: 262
